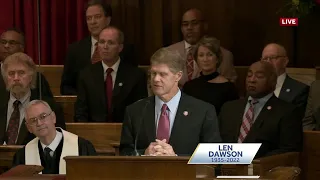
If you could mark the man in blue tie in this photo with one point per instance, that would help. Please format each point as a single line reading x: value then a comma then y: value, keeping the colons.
x: 171, y: 122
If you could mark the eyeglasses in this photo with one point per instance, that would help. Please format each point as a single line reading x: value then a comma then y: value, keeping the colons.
x: 10, y: 42
x: 270, y: 58
x: 42, y: 117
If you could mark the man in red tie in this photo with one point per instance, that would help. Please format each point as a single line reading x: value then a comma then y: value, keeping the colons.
x: 81, y: 54
x: 262, y: 117
x: 193, y: 28
x: 108, y: 86
x: 171, y: 122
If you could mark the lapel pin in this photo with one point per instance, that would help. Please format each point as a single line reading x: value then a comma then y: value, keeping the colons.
x: 287, y: 90
x: 120, y: 84
x: 269, y: 107
x: 185, y: 113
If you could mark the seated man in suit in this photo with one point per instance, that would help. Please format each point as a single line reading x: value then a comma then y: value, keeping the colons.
x: 171, y: 122
x: 287, y: 89
x: 193, y: 27
x: 84, y: 52
x: 262, y: 117
x: 11, y: 41
x: 19, y: 74
x: 311, y: 121
x: 108, y: 86
x: 51, y: 144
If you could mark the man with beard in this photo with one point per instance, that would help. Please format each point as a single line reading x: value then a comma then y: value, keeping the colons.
x: 19, y: 75
x: 262, y: 117
x: 193, y: 28
x: 11, y: 41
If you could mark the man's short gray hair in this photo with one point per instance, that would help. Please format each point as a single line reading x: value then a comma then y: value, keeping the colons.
x: 169, y: 57
x: 24, y: 59
x: 35, y: 102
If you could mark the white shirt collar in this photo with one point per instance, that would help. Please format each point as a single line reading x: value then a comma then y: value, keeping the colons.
x: 93, y: 41
x: 172, y: 104
x: 114, y: 67
x: 22, y: 100
x: 280, y: 79
x: 54, y: 144
x: 187, y: 45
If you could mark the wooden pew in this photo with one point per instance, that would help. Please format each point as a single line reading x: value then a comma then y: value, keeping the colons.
x: 310, y: 157
x: 53, y: 75
x: 6, y: 156
x: 67, y: 104
x: 100, y: 134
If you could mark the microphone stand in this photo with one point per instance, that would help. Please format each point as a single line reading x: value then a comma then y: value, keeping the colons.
x: 39, y: 50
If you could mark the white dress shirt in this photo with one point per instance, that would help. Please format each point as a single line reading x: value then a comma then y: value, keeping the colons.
x: 93, y: 47
x: 280, y: 81
x: 54, y: 144
x: 24, y: 101
x: 113, y: 73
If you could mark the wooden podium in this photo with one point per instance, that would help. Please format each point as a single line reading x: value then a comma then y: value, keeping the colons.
x: 132, y: 167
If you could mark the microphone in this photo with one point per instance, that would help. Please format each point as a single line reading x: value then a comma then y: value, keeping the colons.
x: 136, y: 153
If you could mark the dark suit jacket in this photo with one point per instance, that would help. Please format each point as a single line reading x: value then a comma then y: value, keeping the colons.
x: 79, y: 57
x: 45, y: 88
x: 295, y: 92
x: 91, y: 104
x: 199, y: 126
x: 279, y: 129
x: 24, y: 136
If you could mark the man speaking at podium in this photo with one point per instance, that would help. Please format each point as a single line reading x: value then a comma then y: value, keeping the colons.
x: 51, y: 144
x: 170, y: 123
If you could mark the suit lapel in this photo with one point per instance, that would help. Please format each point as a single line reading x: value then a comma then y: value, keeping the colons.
x: 179, y: 119
x: 3, y: 118
x: 182, y: 50
x: 100, y: 89
x: 286, y: 90
x: 263, y: 115
x: 87, y: 49
x: 149, y: 121
x: 238, y: 118
x: 119, y: 82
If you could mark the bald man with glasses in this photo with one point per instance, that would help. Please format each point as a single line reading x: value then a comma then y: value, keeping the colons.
x: 52, y: 143
x: 287, y: 89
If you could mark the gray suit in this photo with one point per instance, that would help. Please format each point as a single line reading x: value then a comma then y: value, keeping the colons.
x: 226, y: 67
x: 311, y: 120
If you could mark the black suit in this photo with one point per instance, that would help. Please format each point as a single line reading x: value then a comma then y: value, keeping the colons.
x: 278, y: 127
x: 45, y: 88
x: 199, y: 126
x: 79, y: 57
x: 295, y: 92
x: 91, y: 105
x: 24, y: 136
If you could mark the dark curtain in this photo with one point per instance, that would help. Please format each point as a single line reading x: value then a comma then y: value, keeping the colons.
x: 61, y: 22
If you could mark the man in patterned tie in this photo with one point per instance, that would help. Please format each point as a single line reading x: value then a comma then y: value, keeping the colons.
x: 171, y: 122
x: 262, y: 117
x: 193, y: 28
x: 19, y: 75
